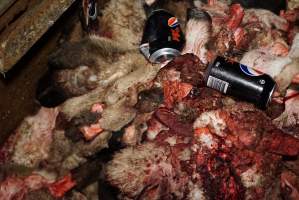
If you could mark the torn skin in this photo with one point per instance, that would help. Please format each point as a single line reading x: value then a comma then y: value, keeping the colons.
x: 281, y: 144
x: 175, y: 91
x: 234, y: 21
x: 172, y: 121
x: 92, y: 130
x: 97, y: 108
x: 17, y: 188
x: 60, y: 187
x: 235, y: 17
x: 289, y: 185
x: 279, y: 49
x: 239, y: 35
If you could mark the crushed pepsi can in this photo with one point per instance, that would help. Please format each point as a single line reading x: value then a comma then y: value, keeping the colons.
x: 240, y: 81
x: 163, y: 38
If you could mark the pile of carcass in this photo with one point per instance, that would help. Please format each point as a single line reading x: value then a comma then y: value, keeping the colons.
x: 133, y: 130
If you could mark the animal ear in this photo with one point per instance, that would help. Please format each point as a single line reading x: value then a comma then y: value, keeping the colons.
x: 47, y: 94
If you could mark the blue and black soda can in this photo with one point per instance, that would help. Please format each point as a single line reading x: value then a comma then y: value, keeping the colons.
x: 237, y: 80
x: 163, y: 38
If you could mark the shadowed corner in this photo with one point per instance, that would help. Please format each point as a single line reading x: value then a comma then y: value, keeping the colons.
x: 273, y: 5
x: 47, y: 94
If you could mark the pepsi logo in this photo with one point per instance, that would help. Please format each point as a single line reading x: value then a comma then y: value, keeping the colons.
x: 173, y: 22
x: 249, y: 71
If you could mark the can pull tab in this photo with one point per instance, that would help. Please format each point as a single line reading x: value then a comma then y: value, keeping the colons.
x: 144, y: 49
x: 90, y: 12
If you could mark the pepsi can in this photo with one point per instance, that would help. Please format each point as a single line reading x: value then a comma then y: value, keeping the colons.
x: 162, y: 38
x: 240, y: 81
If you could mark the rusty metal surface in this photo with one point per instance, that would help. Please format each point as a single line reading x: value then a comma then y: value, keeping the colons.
x: 16, y: 40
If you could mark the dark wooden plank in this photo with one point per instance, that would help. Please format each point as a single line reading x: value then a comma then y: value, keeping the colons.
x: 18, y: 38
x: 5, y: 4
